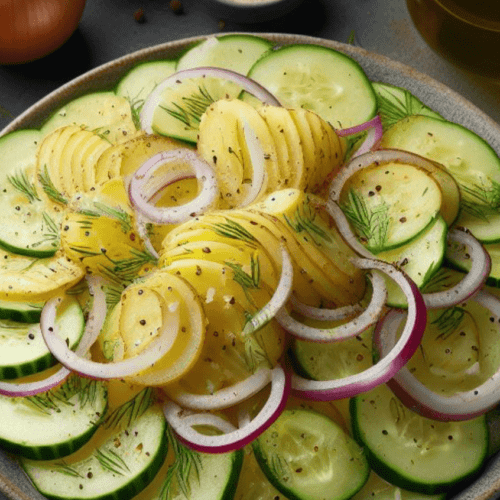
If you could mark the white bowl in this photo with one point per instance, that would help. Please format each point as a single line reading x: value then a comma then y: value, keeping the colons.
x: 252, y: 11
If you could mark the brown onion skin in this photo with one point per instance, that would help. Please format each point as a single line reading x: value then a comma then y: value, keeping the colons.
x: 31, y: 29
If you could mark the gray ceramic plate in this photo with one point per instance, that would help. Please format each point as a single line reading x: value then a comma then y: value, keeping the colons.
x: 451, y: 105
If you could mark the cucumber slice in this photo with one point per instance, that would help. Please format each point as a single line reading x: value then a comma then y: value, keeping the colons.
x: 458, y: 258
x: 323, y: 80
x: 396, y: 103
x: 377, y: 488
x: 414, y: 452
x: 140, y: 81
x: 329, y: 361
x: 53, y: 424
x: 22, y: 348
x: 420, y: 260
x: 27, y: 227
x: 23, y: 312
x: 235, y: 52
x: 197, y: 476
x: 117, y: 469
x: 307, y: 456
x: 468, y: 157
x: 389, y: 205
x: 101, y: 112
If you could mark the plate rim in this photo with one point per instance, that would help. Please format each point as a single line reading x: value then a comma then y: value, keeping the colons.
x: 96, y: 79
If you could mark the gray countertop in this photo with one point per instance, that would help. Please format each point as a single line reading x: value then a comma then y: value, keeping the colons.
x: 108, y: 30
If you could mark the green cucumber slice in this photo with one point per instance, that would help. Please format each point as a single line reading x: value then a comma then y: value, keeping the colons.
x: 198, y: 476
x: 140, y: 81
x: 390, y: 205
x: 23, y: 312
x: 27, y: 227
x: 377, y: 488
x: 22, y: 348
x: 53, y: 424
x: 105, y: 113
x: 323, y: 80
x: 119, y: 468
x: 414, y: 452
x: 307, y: 456
x: 329, y: 361
x: 396, y: 103
x: 468, y: 157
x: 419, y: 259
x: 237, y: 52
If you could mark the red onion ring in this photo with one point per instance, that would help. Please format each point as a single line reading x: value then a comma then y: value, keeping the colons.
x: 323, y: 314
x: 74, y: 361
x: 373, y: 137
x: 236, y: 439
x: 173, y: 215
x: 247, y: 84
x: 416, y: 396
x: 472, y: 282
x: 354, y: 327
x: 388, y: 366
x: 223, y: 398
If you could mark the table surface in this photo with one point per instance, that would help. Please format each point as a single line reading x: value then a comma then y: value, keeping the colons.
x: 108, y: 30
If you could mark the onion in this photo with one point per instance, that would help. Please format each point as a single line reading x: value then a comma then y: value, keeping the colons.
x: 93, y: 326
x: 223, y: 398
x: 232, y: 439
x: 416, y: 396
x: 257, y: 158
x: 140, y: 196
x: 375, y: 131
x: 176, y: 79
x: 322, y: 314
x: 354, y: 327
x: 75, y: 361
x: 389, y: 365
x: 31, y: 29
x: 279, y: 298
x: 472, y: 282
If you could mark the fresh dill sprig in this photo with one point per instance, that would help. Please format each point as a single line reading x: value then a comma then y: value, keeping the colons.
x: 51, y: 401
x: 233, y: 230
x: 372, y: 224
x: 99, y: 209
x: 481, y: 202
x: 111, y: 461
x: 21, y: 182
x: 180, y: 472
x: 129, y: 412
x: 305, y: 221
x: 448, y: 321
x: 191, y: 107
x: 64, y: 468
x: 125, y: 270
x: 49, y: 188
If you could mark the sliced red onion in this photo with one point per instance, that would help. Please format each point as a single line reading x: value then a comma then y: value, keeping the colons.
x: 373, y: 137
x: 77, y: 362
x: 140, y: 198
x: 416, y: 396
x: 247, y: 84
x: 335, y: 334
x: 472, y: 282
x: 323, y: 314
x: 236, y: 439
x: 279, y: 298
x: 389, y: 365
x: 93, y: 326
x: 224, y: 398
x: 257, y: 158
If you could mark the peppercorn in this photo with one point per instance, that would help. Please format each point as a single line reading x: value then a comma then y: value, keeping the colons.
x: 139, y: 16
x: 176, y: 6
